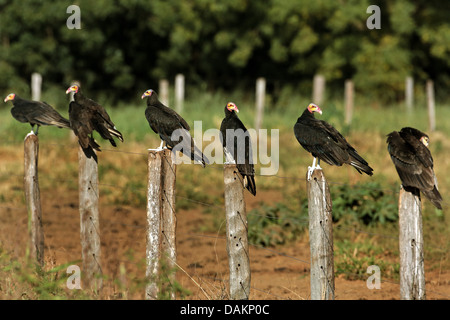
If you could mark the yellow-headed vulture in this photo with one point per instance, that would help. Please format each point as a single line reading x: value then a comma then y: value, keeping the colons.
x: 237, y: 145
x: 409, y: 152
x: 172, y: 129
x: 35, y: 113
x: 85, y: 116
x: 325, y: 143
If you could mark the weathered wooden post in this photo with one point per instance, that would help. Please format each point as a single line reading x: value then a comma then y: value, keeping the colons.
x: 409, y: 93
x: 163, y: 91
x: 237, y: 234
x: 349, y: 101
x: 320, y: 237
x: 161, y: 219
x: 430, y: 105
x: 36, y: 85
x: 318, y: 89
x: 32, y: 197
x: 179, y: 92
x: 412, y: 271
x: 169, y: 218
x: 153, y: 223
x: 89, y: 221
x: 260, y: 96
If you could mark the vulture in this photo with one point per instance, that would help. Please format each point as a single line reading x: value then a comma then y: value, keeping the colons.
x: 325, y: 143
x: 237, y: 145
x: 412, y: 159
x: 85, y: 116
x: 172, y: 129
x: 36, y: 113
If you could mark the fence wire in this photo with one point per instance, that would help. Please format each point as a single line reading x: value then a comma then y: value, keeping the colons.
x: 214, y: 205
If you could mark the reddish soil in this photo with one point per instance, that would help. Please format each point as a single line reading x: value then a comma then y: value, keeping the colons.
x: 276, y: 273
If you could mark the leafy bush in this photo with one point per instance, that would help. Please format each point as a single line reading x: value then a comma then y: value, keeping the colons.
x: 272, y: 225
x: 367, y: 203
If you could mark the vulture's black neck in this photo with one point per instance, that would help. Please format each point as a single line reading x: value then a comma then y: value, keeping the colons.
x: 78, y: 96
x: 153, y: 100
x: 230, y: 113
x: 19, y: 102
x: 306, y: 115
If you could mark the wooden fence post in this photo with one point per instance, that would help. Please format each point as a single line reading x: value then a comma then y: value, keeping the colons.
x: 161, y: 219
x: 169, y: 218
x: 260, y: 95
x: 412, y: 273
x: 153, y: 223
x: 36, y: 85
x: 163, y: 91
x: 349, y: 101
x: 409, y: 93
x: 179, y: 92
x: 430, y: 105
x: 89, y: 221
x: 320, y: 237
x: 318, y: 89
x: 32, y: 196
x: 237, y: 234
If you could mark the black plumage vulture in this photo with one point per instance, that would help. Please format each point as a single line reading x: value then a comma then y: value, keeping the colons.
x: 35, y: 113
x: 237, y: 145
x: 409, y: 152
x: 172, y: 129
x: 325, y: 143
x: 85, y: 116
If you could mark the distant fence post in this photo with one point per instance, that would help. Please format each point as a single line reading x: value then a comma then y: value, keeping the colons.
x: 430, y: 105
x: 409, y: 93
x: 163, y: 91
x: 318, y: 89
x: 89, y: 221
x: 32, y: 196
x: 320, y: 237
x: 161, y: 219
x: 412, y: 273
x: 349, y: 101
x: 237, y: 234
x: 36, y: 85
x: 179, y: 92
x: 260, y: 95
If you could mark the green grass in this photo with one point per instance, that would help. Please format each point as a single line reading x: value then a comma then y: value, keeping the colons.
x: 123, y: 177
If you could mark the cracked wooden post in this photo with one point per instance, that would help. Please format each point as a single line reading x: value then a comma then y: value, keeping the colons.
x: 89, y: 222
x: 237, y: 234
x: 169, y: 218
x: 153, y: 223
x: 161, y: 220
x: 412, y: 273
x: 33, y: 199
x: 320, y: 237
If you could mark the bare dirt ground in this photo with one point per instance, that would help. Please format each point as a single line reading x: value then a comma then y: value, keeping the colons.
x: 277, y: 273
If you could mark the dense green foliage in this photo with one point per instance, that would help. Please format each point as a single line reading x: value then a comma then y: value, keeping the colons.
x: 126, y: 46
x: 366, y: 203
x: 274, y: 225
